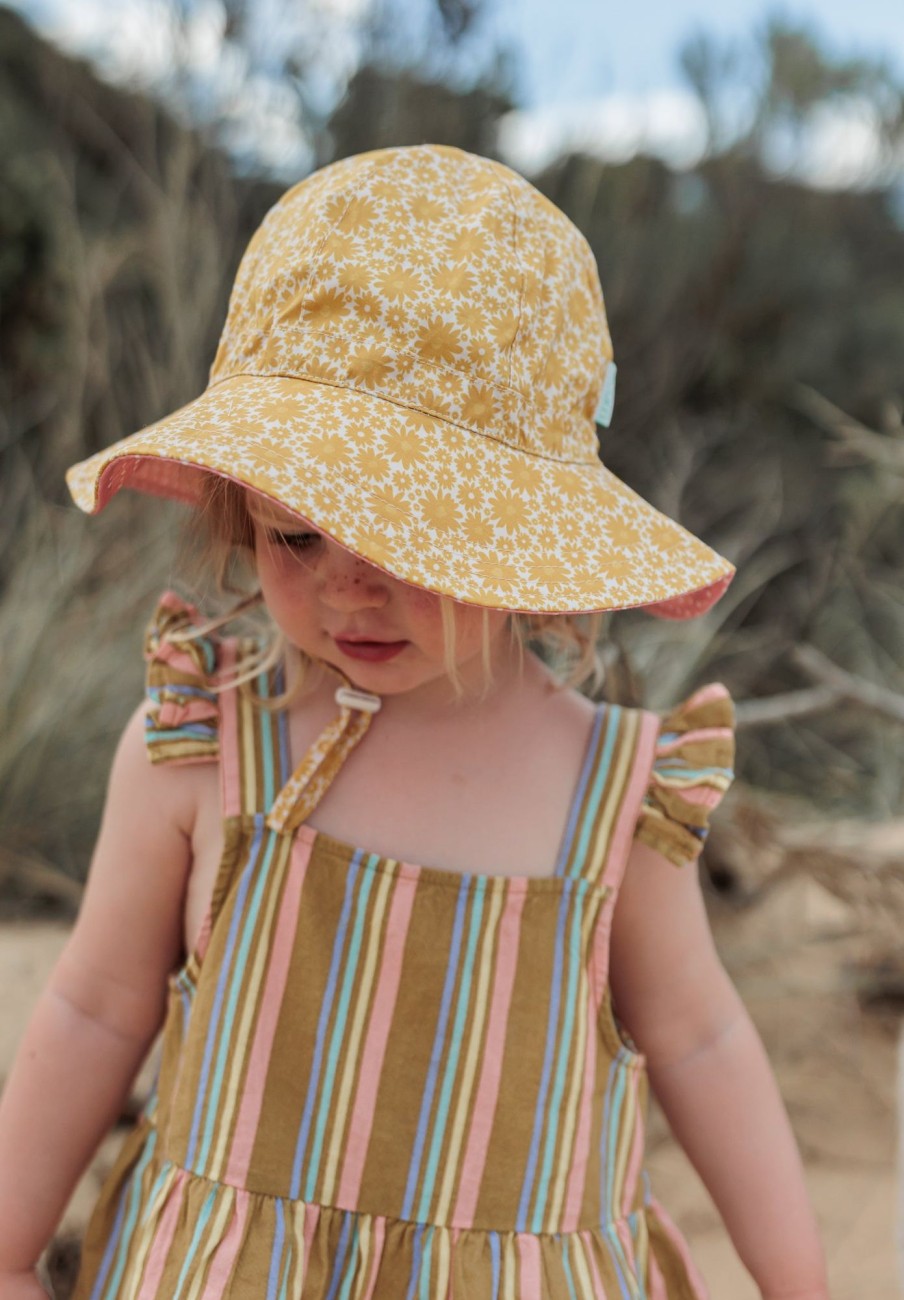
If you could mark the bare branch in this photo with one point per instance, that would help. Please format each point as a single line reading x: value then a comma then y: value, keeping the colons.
x: 856, y: 439
x: 847, y: 686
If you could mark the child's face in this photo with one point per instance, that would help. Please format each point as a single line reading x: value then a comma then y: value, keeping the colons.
x: 385, y: 635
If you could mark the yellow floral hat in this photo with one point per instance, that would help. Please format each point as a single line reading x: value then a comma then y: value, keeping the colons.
x: 415, y: 351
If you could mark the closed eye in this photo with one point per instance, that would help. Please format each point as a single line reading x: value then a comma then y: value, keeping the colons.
x: 295, y: 541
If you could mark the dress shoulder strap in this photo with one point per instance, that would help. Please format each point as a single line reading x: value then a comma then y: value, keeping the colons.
x: 254, y: 745
x: 609, y: 793
x: 257, y: 774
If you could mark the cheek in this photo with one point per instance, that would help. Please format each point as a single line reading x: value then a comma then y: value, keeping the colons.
x: 283, y: 579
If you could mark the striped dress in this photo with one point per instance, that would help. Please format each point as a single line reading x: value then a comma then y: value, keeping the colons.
x: 387, y: 1081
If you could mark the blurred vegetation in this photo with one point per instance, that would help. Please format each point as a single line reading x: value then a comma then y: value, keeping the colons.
x: 757, y: 322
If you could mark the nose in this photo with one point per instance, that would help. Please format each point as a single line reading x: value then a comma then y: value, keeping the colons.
x: 346, y: 582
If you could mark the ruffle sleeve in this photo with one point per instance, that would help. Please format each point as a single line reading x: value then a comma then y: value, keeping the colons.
x: 692, y: 769
x: 182, y: 722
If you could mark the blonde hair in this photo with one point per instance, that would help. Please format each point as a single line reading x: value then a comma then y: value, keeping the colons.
x: 221, y: 534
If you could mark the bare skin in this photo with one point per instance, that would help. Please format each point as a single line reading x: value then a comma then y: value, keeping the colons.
x: 483, y: 788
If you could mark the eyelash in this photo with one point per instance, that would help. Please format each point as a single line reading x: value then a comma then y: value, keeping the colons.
x: 294, y: 541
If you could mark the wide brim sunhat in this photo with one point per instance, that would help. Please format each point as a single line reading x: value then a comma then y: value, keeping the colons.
x: 414, y: 357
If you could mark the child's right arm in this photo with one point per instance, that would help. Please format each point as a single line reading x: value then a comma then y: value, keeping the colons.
x: 101, y: 1008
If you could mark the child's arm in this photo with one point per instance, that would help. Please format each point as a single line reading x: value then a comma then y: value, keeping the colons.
x: 709, y: 1071
x: 102, y: 1006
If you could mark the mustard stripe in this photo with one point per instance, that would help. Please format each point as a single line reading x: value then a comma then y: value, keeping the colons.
x: 476, y: 1034
x: 259, y: 931
x: 613, y: 797
x: 354, y: 1039
x: 246, y: 738
x: 565, y: 1155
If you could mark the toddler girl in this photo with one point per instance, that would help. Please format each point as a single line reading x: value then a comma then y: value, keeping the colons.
x: 387, y: 971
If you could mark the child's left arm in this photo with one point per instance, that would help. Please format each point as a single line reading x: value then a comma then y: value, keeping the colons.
x: 709, y: 1071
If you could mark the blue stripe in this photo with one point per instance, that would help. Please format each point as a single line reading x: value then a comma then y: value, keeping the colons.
x: 494, y: 1257
x: 613, y: 719
x: 625, y: 1275
x: 551, y: 1026
x: 222, y: 980
x: 189, y: 731
x: 126, y: 1215
x: 342, y: 1251
x: 415, y: 1260
x: 578, y: 797
x: 322, y: 1022
x: 279, y: 1237
x: 354, y: 1255
x: 565, y: 1042
x: 680, y: 771
x: 237, y: 985
x: 442, y: 1110
x: 156, y: 693
x: 350, y: 966
x: 437, y: 1049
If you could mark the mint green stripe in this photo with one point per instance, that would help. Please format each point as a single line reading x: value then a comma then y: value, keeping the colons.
x: 206, y: 1210
x: 265, y: 723
x: 613, y: 721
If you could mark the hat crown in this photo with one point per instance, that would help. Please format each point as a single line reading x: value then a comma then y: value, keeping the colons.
x: 435, y: 279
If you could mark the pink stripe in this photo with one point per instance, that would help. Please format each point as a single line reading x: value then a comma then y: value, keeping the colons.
x: 702, y: 796
x: 623, y: 1232
x: 712, y: 691
x: 311, y: 1220
x: 580, y: 1156
x: 586, y: 1237
x: 230, y: 772
x: 701, y: 734
x: 271, y: 1000
x: 635, y: 1159
x: 374, y: 1049
x: 623, y: 834
x: 227, y: 1250
x: 491, y: 1070
x: 680, y: 1245
x: 174, y: 654
x: 530, y: 1272
x: 656, y: 1288
x: 163, y: 1238
x: 171, y: 714
x: 379, y: 1231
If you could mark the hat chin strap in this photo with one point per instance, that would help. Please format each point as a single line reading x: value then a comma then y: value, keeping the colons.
x: 312, y: 777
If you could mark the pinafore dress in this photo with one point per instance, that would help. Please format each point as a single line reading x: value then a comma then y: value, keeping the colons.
x: 385, y: 1081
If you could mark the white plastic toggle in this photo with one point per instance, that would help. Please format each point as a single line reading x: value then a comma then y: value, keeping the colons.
x: 351, y: 698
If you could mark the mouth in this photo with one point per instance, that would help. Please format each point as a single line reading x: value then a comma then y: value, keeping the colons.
x: 371, y: 651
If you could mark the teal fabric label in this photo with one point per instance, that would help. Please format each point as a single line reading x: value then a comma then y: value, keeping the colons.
x: 607, y: 397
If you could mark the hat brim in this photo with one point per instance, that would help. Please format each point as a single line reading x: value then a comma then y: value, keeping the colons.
x: 429, y: 502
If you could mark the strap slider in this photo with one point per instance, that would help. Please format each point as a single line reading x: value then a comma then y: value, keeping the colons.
x: 350, y: 697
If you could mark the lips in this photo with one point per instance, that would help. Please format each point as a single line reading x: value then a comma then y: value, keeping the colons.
x: 372, y: 651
